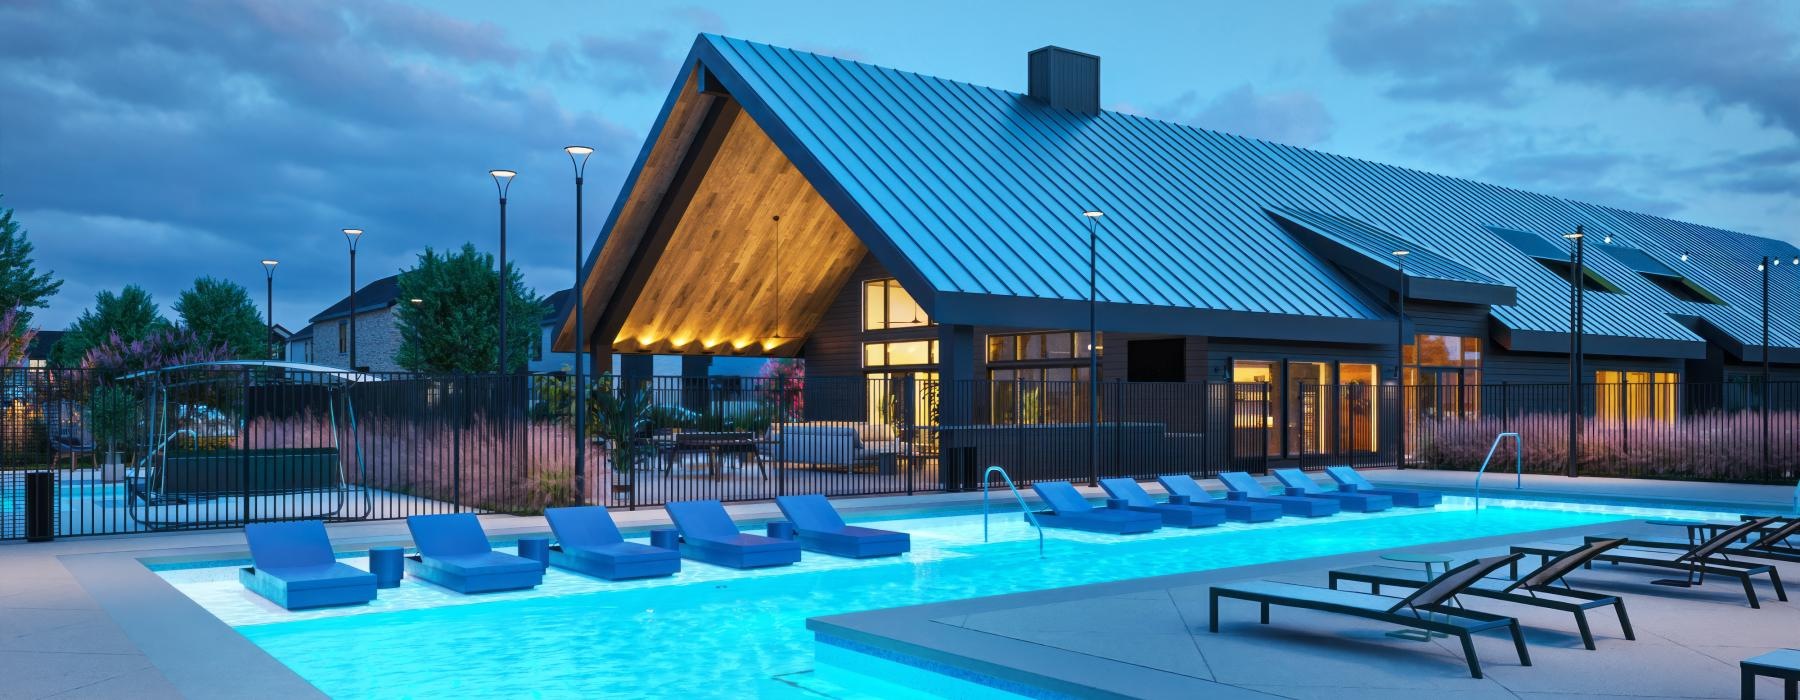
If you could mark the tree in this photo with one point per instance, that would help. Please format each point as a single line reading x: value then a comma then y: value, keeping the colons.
x: 130, y: 314
x: 21, y: 286
x: 220, y: 314
x: 453, y: 327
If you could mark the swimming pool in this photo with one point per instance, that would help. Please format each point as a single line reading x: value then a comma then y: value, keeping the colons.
x: 711, y: 632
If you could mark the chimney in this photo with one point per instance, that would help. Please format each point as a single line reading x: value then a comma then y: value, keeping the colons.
x: 1065, y: 79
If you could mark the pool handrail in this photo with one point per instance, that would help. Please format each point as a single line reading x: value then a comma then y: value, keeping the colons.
x: 988, y: 475
x: 1518, y: 464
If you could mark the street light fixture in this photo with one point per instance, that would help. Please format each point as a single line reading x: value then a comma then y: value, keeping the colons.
x: 503, y: 183
x: 353, y: 236
x: 1400, y: 360
x: 578, y: 156
x: 1093, y: 224
x: 1577, y: 301
x: 269, y: 301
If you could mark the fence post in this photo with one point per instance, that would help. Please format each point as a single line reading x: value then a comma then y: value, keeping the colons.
x: 1118, y: 436
x: 244, y: 446
x: 1268, y: 398
x: 460, y: 387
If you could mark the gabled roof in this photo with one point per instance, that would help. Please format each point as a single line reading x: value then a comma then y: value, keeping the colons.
x: 971, y: 196
x: 558, y: 304
x: 374, y: 296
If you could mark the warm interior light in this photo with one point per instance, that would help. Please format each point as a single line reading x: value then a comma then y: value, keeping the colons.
x: 353, y: 232
x: 1093, y: 213
x: 502, y: 173
x: 710, y: 343
x: 578, y: 150
x: 740, y: 344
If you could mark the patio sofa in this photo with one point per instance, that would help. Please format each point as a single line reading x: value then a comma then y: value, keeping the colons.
x: 840, y: 445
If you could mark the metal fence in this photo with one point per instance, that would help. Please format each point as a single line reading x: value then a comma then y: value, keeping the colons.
x: 221, y: 447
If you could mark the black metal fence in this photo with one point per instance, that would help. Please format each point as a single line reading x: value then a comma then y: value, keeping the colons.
x: 220, y: 447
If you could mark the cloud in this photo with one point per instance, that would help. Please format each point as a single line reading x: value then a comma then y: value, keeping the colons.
x: 1295, y: 118
x: 1579, y: 163
x: 1734, y: 54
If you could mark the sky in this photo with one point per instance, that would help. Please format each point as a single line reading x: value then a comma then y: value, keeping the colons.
x: 155, y: 142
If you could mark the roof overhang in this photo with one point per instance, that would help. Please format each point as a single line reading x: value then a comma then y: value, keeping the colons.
x: 1032, y: 312
x: 1368, y: 251
x: 1558, y: 343
x: 1742, y: 351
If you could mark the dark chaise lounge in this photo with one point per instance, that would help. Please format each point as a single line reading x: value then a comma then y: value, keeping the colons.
x: 1299, y: 483
x: 293, y: 566
x: 1406, y: 498
x: 820, y: 529
x: 588, y: 542
x: 1430, y: 607
x: 1767, y: 545
x: 1537, y: 588
x: 1253, y: 491
x: 455, y: 553
x: 708, y: 535
x: 1173, y: 515
x: 1243, y: 511
x: 1069, y: 511
x: 1696, y: 562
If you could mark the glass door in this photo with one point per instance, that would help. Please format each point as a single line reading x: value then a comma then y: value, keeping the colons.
x: 1308, y: 413
x: 1357, y: 414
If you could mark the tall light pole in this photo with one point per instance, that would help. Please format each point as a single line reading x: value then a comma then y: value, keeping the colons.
x: 1577, y: 275
x: 578, y: 155
x: 269, y: 303
x: 353, y: 236
x: 1400, y: 361
x: 1093, y: 223
x: 1767, y: 263
x: 502, y: 183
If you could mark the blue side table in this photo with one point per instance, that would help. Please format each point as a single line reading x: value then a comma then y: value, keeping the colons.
x: 388, y: 564
x: 781, y: 530
x: 666, y: 538
x: 536, y: 549
x: 1180, y: 500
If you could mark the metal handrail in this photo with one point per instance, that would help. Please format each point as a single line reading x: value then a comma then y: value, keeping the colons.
x: 985, y: 476
x: 1518, y: 464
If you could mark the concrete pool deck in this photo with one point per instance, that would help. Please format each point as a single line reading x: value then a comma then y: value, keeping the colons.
x: 83, y: 617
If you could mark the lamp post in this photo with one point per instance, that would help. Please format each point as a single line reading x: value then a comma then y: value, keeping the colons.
x: 1577, y: 273
x: 269, y: 302
x: 1768, y: 262
x: 503, y: 183
x: 1400, y: 361
x: 1093, y: 223
x: 353, y: 236
x: 578, y: 155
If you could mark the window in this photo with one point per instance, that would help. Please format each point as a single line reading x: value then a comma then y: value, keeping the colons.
x: 1442, y: 375
x: 1256, y: 395
x: 1635, y: 396
x: 1357, y: 399
x: 343, y: 336
x: 1307, y: 415
x: 1040, y: 394
x: 900, y: 353
x: 886, y: 306
x: 1034, y: 347
x: 537, y: 347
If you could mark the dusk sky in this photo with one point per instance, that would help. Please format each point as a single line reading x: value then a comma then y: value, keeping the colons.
x: 153, y: 142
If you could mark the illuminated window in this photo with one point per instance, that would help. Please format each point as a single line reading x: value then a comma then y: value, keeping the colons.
x: 1442, y: 375
x: 1357, y: 418
x: 1256, y: 395
x: 900, y: 353
x: 1635, y: 396
x: 886, y: 305
x: 1032, y: 347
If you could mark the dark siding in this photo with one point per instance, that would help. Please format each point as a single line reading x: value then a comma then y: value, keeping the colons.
x: 835, y: 347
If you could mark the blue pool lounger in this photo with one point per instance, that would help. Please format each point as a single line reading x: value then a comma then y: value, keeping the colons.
x: 293, y: 566
x: 1243, y: 511
x: 1408, y: 498
x: 1068, y: 510
x: 455, y: 553
x: 821, y: 529
x: 1356, y: 502
x: 588, y: 542
x: 1173, y: 515
x: 1304, y: 506
x: 708, y: 535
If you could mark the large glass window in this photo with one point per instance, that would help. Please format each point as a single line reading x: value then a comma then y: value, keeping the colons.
x: 886, y: 305
x: 1030, y: 347
x: 1442, y: 375
x: 1040, y: 394
x: 1636, y: 396
x: 1357, y: 399
x: 900, y: 353
x: 1256, y: 396
x: 1307, y: 415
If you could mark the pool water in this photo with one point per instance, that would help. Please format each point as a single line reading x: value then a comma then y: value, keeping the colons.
x: 744, y: 634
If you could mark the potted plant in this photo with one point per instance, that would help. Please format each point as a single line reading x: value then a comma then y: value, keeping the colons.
x: 620, y: 419
x: 112, y: 412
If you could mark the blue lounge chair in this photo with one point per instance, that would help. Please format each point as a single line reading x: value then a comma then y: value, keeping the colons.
x: 1355, y: 502
x: 1173, y: 515
x: 1241, y: 511
x: 821, y: 529
x: 1303, y: 506
x: 455, y: 553
x: 1068, y: 510
x: 708, y: 535
x: 292, y: 565
x: 1408, y: 498
x: 588, y: 542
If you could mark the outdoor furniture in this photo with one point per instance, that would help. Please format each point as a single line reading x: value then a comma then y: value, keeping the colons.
x: 588, y: 542
x: 673, y: 447
x: 388, y: 564
x: 1783, y: 664
x: 1537, y: 588
x: 1174, y: 515
x: 840, y: 445
x: 1430, y: 607
x: 293, y: 566
x: 1298, y: 483
x: 1408, y: 498
x: 1303, y: 506
x: 1239, y: 510
x: 68, y: 434
x: 1696, y: 562
x: 455, y: 553
x: 1068, y: 510
x: 821, y: 529
x: 1767, y: 544
x: 708, y: 535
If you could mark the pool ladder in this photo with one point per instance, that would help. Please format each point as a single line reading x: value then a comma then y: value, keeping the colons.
x: 1518, y: 464
x: 985, y: 477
